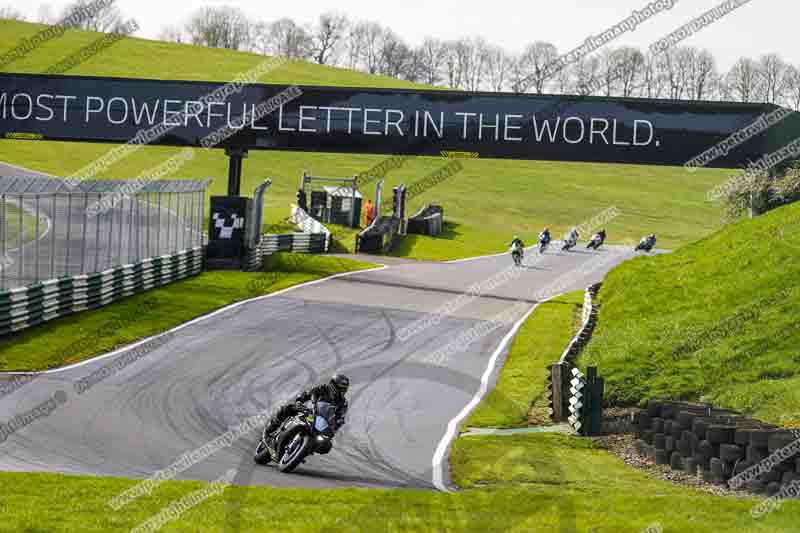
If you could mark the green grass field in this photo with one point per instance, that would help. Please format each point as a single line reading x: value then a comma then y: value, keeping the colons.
x: 523, y: 380
x: 81, y: 336
x: 486, y: 203
x: 719, y: 320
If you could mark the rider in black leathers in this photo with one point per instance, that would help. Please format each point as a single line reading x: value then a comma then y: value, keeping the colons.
x: 332, y: 392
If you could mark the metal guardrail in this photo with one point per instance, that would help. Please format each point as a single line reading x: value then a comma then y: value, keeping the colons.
x: 575, y: 398
x: 26, y: 307
x: 315, y: 239
x: 51, y: 229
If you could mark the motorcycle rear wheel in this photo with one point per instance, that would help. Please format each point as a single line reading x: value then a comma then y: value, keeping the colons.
x: 292, y: 458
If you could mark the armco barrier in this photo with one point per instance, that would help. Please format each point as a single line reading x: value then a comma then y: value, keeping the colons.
x: 380, y: 237
x: 561, y: 375
x: 26, y: 307
x: 315, y: 239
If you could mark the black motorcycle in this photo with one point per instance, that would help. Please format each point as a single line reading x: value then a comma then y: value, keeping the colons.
x: 543, y: 244
x: 310, y: 431
x: 646, y: 245
x: 569, y: 244
x: 597, y: 241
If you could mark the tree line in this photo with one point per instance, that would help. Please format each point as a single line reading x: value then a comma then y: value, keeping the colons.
x: 472, y: 63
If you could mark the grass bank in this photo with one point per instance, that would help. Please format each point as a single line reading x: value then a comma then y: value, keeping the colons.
x: 719, y: 321
x: 78, y: 337
x: 523, y: 380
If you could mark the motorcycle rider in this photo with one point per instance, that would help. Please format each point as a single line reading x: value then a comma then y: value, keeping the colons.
x: 572, y: 237
x: 516, y: 242
x: 544, y: 236
x: 648, y: 243
x: 332, y: 392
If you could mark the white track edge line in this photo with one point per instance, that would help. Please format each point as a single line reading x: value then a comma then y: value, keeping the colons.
x: 453, y: 425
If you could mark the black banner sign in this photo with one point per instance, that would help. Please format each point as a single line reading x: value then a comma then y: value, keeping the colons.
x: 390, y: 121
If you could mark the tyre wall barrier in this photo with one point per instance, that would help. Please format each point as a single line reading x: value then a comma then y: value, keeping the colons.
x: 314, y: 239
x: 380, y: 237
x: 26, y: 307
x: 564, y: 384
x: 720, y: 445
x: 427, y: 221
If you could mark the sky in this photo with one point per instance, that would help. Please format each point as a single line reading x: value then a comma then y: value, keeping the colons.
x: 757, y: 27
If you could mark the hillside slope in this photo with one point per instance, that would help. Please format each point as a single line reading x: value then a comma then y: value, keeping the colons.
x: 488, y: 202
x: 718, y: 320
x: 142, y: 58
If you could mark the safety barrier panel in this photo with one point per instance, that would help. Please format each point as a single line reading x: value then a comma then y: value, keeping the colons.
x: 427, y: 221
x: 576, y: 398
x: 380, y: 237
x: 315, y: 239
x: 26, y: 307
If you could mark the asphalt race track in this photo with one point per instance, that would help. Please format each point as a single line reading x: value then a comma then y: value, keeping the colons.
x: 218, y: 371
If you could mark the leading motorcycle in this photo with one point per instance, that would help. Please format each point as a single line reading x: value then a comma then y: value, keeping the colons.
x: 308, y: 432
x: 516, y: 253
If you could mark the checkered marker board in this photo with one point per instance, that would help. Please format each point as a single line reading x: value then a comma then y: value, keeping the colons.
x: 226, y: 225
x: 576, y: 399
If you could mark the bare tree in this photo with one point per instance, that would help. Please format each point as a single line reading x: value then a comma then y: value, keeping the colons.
x: 629, y: 63
x: 356, y: 42
x: 743, y: 80
x: 431, y: 55
x: 653, y: 77
x: 327, y: 36
x: 473, y: 53
x: 394, y: 56
x: 284, y: 38
x: 609, y: 71
x: 562, y: 81
x: 772, y: 74
x: 675, y: 67
x: 792, y: 83
x: 536, y: 62
x: 702, y: 68
x: 220, y: 27
x: 9, y: 13
x: 88, y: 16
x: 372, y: 46
x: 172, y: 34
x: 498, y: 67
x: 586, y: 74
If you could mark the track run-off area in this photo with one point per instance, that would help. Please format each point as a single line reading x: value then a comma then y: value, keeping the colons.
x: 421, y: 349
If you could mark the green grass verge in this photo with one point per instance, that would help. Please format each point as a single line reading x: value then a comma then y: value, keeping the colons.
x: 718, y: 320
x: 523, y: 380
x: 486, y: 203
x: 77, y: 337
x: 522, y: 483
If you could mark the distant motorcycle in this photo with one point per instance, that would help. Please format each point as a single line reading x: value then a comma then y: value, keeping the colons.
x: 597, y: 241
x: 517, y: 253
x: 310, y: 431
x: 647, y: 244
x: 543, y: 244
x: 569, y: 244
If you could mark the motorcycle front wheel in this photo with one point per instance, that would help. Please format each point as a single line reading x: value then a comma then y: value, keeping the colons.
x: 262, y: 456
x: 294, y: 453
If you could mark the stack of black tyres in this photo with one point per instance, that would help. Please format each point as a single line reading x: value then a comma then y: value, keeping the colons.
x: 716, y: 444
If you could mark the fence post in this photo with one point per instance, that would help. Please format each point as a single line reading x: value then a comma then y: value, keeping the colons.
x: 53, y: 228
x: 3, y: 235
x: 97, y: 234
x: 21, y: 231
x: 69, y: 234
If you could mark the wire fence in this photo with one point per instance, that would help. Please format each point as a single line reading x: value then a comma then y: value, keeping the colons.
x: 49, y: 230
